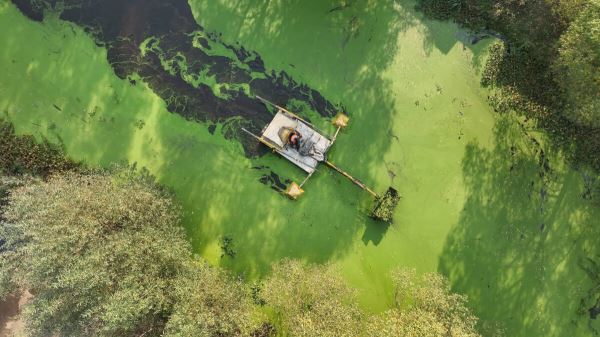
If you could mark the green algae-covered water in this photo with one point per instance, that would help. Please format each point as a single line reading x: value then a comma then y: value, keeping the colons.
x: 486, y: 200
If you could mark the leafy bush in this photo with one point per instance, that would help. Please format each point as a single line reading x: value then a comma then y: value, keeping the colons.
x: 578, y: 67
x: 312, y: 300
x: 99, y: 254
x: 209, y: 303
x: 104, y: 255
x: 424, y: 307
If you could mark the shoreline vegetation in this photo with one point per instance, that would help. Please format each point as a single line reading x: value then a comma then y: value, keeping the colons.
x: 103, y: 254
x: 546, y: 67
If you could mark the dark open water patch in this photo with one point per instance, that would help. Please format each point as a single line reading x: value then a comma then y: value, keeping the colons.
x: 178, y: 55
x: 272, y: 179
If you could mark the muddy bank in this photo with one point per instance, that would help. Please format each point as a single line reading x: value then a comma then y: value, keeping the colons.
x: 160, y: 42
x: 10, y: 308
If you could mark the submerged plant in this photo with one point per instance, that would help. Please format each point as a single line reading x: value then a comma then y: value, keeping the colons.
x: 227, y: 247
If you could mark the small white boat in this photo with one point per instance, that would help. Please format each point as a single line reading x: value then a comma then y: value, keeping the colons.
x: 311, y: 148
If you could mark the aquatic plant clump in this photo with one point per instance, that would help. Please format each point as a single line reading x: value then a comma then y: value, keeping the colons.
x: 385, y: 205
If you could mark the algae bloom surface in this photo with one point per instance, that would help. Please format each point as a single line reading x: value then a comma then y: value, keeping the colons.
x: 486, y: 201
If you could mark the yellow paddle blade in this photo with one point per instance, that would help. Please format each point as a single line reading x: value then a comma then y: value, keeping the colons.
x: 294, y: 191
x: 341, y: 120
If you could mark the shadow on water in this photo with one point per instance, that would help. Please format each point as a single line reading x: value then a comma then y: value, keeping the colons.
x: 374, y: 232
x: 522, y: 233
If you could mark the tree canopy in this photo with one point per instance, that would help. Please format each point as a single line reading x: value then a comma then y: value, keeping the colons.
x: 208, y: 302
x: 105, y: 256
x: 312, y: 300
x: 578, y: 66
x: 99, y: 254
x: 424, y: 307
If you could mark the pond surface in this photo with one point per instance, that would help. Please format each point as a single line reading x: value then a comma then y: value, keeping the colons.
x: 486, y: 201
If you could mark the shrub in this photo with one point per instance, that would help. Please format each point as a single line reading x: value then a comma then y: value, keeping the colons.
x: 99, y: 254
x: 312, y: 300
x: 424, y: 307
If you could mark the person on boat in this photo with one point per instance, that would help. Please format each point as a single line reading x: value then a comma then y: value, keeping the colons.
x: 295, y: 139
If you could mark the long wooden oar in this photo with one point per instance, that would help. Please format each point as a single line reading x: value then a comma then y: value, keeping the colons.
x: 384, y: 205
x: 351, y: 178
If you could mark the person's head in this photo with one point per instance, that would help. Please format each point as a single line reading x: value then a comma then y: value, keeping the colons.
x: 294, y: 138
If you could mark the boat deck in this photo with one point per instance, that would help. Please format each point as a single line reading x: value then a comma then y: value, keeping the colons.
x: 316, y: 145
